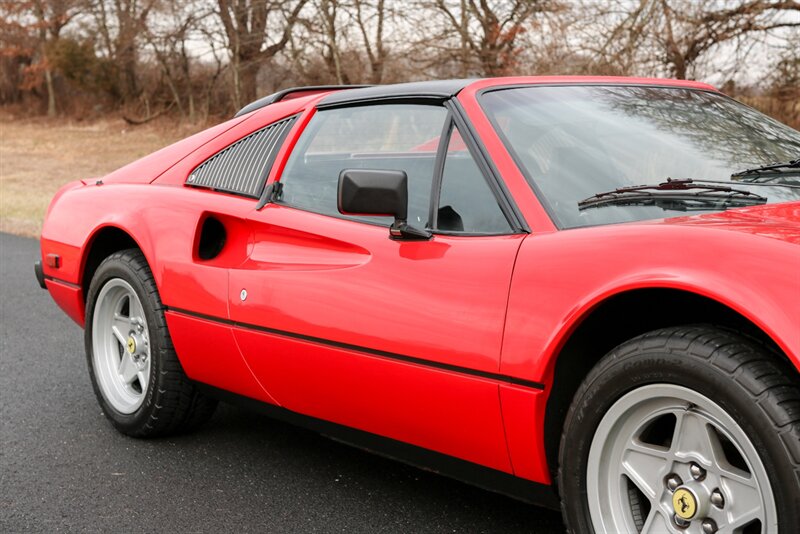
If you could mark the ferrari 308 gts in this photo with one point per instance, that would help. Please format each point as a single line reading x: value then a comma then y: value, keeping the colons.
x: 581, y: 292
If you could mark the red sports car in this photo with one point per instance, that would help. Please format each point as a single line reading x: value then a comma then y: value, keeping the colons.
x: 583, y: 290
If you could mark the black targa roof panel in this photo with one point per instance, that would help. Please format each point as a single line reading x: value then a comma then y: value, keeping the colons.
x: 431, y: 90
x: 281, y: 95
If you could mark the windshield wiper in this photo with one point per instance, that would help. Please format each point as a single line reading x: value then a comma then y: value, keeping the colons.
x: 793, y: 164
x: 682, y: 195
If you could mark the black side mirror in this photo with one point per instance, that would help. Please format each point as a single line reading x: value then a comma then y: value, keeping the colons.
x: 378, y: 192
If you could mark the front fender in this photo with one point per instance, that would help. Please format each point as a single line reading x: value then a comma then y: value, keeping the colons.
x: 560, y: 278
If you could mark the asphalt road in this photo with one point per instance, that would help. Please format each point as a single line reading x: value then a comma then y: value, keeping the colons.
x: 63, y: 467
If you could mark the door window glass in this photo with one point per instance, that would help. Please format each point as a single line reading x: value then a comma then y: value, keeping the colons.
x: 466, y: 202
x: 392, y: 136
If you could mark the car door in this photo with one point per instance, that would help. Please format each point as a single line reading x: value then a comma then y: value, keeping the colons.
x: 397, y: 338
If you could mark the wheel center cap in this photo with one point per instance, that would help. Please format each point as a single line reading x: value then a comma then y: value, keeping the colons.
x: 131, y: 345
x: 684, y: 502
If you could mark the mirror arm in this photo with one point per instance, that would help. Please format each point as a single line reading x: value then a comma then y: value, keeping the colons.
x: 271, y: 193
x: 402, y: 231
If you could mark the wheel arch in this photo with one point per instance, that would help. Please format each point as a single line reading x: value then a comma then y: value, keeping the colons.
x: 104, y: 241
x: 622, y: 316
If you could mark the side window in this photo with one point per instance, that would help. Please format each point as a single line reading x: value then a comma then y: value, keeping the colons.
x: 242, y: 168
x: 466, y: 202
x: 401, y: 137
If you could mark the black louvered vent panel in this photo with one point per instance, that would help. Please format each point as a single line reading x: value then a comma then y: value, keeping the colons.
x: 242, y: 167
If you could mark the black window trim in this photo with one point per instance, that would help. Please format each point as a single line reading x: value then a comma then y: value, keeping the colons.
x: 438, y: 178
x: 438, y: 173
x: 491, y: 174
x: 518, y: 161
x: 454, y: 119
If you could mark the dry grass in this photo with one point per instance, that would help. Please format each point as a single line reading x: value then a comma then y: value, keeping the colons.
x: 39, y: 156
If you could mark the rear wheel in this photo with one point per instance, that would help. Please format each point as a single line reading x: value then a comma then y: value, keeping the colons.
x: 685, y: 430
x: 135, y: 372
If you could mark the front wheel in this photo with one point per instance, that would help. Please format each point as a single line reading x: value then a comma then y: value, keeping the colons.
x: 135, y: 372
x: 685, y: 430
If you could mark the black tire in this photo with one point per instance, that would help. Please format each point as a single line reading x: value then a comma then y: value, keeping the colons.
x: 757, y: 387
x: 172, y: 403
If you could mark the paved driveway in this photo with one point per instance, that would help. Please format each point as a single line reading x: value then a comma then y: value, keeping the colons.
x: 63, y: 468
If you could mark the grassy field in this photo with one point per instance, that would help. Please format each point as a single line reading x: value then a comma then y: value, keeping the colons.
x: 38, y: 156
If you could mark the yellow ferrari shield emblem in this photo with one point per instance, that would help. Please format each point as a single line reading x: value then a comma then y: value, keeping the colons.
x: 684, y: 503
x: 131, y: 345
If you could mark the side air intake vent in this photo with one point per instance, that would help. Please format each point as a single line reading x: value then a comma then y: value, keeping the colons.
x: 242, y: 167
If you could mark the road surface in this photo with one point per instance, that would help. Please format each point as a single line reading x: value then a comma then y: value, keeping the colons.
x: 63, y: 467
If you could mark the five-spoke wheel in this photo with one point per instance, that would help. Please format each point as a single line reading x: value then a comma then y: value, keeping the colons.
x: 692, y: 429
x: 135, y: 371
x: 666, y: 458
x: 121, y: 346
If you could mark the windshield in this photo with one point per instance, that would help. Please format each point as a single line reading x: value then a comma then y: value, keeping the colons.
x: 574, y: 142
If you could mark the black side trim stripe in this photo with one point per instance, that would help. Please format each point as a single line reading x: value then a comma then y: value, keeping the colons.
x: 356, y: 348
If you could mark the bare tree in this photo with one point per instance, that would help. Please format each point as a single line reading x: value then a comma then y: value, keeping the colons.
x: 17, y: 47
x: 180, y: 21
x: 676, y: 34
x: 200, y: 57
x: 349, y: 37
x: 121, y: 25
x: 40, y: 23
x: 483, y: 35
x: 52, y: 16
x: 371, y: 17
x: 329, y: 14
x: 247, y: 24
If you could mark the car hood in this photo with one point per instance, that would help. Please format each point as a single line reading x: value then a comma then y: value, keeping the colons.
x: 776, y: 221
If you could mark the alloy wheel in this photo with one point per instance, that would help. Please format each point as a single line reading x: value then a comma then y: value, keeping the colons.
x: 121, y: 346
x: 665, y: 458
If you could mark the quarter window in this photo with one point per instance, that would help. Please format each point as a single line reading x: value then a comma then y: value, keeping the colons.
x: 242, y: 168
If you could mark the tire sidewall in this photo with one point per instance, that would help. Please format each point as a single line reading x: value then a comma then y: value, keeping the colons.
x: 110, y: 269
x: 636, y: 370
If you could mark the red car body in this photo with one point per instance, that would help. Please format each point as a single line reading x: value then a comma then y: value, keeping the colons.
x: 331, y: 326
